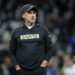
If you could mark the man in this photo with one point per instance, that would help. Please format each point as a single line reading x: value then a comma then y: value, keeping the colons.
x: 30, y: 45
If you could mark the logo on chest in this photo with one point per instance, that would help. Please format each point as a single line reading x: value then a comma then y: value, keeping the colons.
x: 29, y: 36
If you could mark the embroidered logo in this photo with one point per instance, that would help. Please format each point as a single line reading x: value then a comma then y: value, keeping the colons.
x: 29, y: 36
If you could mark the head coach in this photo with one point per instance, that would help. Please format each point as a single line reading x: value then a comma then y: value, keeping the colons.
x: 30, y: 45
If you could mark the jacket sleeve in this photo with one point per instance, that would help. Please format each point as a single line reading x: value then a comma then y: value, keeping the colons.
x: 48, y: 45
x: 12, y: 49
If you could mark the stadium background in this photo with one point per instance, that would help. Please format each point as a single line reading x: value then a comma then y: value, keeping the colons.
x: 57, y: 15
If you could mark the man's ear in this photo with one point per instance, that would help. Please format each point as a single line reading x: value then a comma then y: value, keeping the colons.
x: 23, y: 16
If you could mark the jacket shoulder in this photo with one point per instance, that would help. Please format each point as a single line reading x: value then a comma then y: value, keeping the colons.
x: 44, y: 28
x: 15, y: 31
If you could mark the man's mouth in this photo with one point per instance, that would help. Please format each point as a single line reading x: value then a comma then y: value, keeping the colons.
x: 32, y: 17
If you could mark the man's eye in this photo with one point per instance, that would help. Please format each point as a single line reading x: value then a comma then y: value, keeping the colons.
x: 29, y: 12
x: 34, y: 12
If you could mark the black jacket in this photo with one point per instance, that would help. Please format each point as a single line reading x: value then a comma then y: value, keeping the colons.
x: 29, y: 47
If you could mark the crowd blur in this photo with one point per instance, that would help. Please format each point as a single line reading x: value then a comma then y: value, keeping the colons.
x: 58, y: 16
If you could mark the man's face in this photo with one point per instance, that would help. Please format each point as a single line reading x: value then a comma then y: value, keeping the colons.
x: 30, y: 16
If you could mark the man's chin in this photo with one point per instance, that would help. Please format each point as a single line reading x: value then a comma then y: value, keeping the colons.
x: 32, y: 21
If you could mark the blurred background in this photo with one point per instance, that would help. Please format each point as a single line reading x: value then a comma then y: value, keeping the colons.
x: 58, y: 16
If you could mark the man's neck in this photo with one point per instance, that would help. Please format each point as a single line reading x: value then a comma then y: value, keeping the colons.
x: 29, y: 24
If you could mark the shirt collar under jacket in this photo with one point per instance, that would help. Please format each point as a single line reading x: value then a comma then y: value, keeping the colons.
x: 24, y: 26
